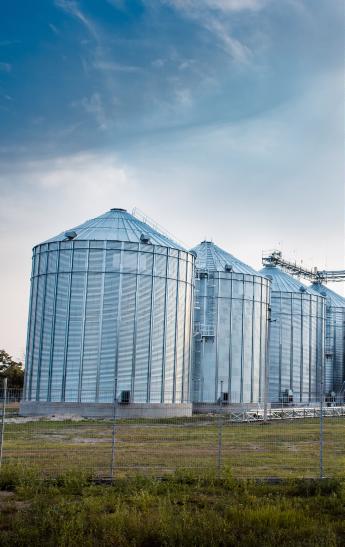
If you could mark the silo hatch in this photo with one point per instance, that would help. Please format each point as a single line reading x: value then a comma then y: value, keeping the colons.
x: 125, y: 397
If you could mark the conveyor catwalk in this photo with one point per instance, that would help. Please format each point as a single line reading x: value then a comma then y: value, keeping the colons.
x: 274, y: 258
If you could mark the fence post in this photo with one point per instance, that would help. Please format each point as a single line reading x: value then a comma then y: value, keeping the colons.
x: 3, y: 420
x: 321, y: 415
x: 267, y: 362
x: 220, y: 432
x: 113, y: 436
x: 321, y: 428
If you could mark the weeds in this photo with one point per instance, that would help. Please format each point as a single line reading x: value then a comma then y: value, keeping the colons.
x: 182, y: 509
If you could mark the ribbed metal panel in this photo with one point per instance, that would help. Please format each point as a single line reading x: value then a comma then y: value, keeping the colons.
x: 296, y: 339
x: 230, y: 319
x: 335, y: 338
x: 213, y: 258
x: 106, y: 312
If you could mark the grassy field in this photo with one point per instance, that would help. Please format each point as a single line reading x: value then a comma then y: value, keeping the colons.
x: 181, y: 510
x: 283, y: 449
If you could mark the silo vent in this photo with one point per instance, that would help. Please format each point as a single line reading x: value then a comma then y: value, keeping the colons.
x: 228, y: 268
x: 70, y: 234
x: 302, y: 289
x: 144, y: 238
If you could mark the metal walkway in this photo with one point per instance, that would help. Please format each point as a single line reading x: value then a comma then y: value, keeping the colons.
x: 274, y: 414
x: 275, y: 258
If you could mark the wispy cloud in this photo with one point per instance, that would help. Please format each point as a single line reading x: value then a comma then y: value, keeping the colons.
x: 186, y: 64
x: 94, y: 105
x: 72, y: 7
x: 54, y: 29
x: 231, y: 45
x: 226, y: 6
x: 115, y: 67
x: 100, y: 61
x: 184, y: 96
x: 158, y: 63
x: 214, y: 17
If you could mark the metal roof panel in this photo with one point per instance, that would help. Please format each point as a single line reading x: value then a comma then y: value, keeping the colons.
x: 283, y: 282
x: 213, y: 258
x: 118, y: 225
x: 332, y: 298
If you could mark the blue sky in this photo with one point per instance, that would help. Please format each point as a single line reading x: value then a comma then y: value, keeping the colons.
x: 219, y: 118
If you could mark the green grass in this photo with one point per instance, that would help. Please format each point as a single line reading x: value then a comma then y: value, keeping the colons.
x: 182, y: 510
x: 286, y: 449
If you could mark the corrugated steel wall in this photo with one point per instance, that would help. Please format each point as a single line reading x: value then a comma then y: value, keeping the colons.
x: 101, y: 310
x: 235, y: 307
x: 335, y: 349
x: 296, y: 348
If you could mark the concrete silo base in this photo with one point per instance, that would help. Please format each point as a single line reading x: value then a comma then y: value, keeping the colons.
x: 105, y: 410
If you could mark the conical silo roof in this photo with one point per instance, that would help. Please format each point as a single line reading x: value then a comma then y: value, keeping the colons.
x: 332, y: 298
x: 117, y: 225
x: 283, y: 282
x: 213, y: 258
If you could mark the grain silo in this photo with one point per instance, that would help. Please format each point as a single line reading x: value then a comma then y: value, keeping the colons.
x: 334, y: 376
x: 296, y: 345
x: 230, y: 328
x: 110, y: 310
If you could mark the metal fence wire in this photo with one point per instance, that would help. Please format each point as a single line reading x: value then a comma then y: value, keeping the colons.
x: 246, y: 442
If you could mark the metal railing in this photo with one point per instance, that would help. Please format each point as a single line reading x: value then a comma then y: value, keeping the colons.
x: 275, y: 258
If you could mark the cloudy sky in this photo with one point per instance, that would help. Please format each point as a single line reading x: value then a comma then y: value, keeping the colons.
x: 220, y: 119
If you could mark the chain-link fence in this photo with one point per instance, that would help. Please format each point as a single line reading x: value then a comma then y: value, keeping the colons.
x: 245, y: 441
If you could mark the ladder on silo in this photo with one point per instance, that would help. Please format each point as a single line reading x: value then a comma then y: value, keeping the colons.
x: 205, y: 329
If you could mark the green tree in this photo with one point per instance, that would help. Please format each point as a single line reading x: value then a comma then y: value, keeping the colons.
x: 12, y: 370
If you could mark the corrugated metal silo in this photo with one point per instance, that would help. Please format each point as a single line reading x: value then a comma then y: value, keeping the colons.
x: 296, y: 345
x: 111, y: 305
x: 335, y: 339
x: 230, y: 328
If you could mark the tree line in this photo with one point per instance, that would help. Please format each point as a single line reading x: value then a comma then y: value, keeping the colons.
x: 12, y: 370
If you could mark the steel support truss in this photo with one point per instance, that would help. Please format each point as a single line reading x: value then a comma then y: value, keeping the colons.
x: 275, y: 258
